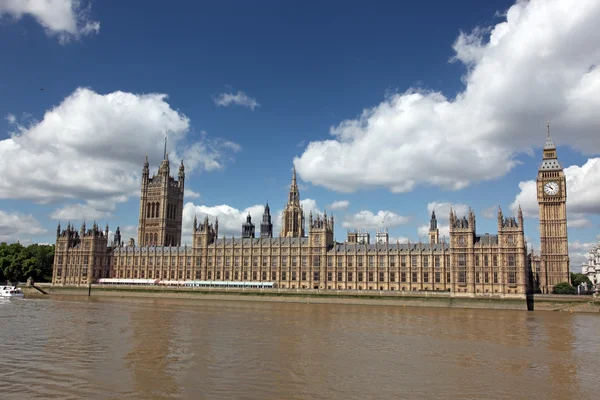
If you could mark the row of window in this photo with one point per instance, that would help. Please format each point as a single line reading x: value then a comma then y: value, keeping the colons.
x: 462, y: 260
x: 436, y: 277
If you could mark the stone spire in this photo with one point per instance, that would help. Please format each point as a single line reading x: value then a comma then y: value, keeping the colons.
x: 266, y: 227
x: 550, y: 159
x: 293, y: 215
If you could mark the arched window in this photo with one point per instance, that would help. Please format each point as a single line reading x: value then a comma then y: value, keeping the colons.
x: 157, y: 209
x: 148, y: 210
x: 155, y: 239
x: 151, y: 210
x: 146, y: 242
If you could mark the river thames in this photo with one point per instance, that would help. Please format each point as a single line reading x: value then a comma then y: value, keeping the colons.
x: 113, y: 348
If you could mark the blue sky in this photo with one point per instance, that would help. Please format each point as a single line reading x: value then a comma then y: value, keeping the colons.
x: 441, y: 124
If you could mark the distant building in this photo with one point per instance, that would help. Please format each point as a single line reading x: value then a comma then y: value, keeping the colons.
x: 591, y: 268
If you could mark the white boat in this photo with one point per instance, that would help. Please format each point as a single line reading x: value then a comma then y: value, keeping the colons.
x: 10, y: 292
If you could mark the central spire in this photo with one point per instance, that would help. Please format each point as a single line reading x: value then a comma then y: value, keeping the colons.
x: 293, y: 215
x: 165, y: 152
x: 294, y: 197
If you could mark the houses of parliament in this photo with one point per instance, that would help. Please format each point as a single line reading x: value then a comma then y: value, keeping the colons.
x: 306, y: 256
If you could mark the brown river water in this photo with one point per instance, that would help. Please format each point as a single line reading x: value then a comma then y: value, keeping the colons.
x: 110, y: 348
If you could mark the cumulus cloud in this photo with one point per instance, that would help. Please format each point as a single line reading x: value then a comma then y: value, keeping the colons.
x: 442, y: 210
x: 92, y: 146
x: 579, y: 222
x: 583, y: 191
x: 190, y: 194
x: 442, y: 214
x: 537, y: 64
x: 444, y: 228
x: 365, y: 219
x: 240, y: 98
x: 578, y: 254
x: 79, y: 212
x: 231, y: 218
x: 18, y: 226
x: 339, y: 205
x: 65, y: 19
x: 127, y: 232
x: 398, y: 239
x: 490, y: 212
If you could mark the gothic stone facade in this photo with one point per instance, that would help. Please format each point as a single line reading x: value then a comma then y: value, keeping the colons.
x: 468, y: 264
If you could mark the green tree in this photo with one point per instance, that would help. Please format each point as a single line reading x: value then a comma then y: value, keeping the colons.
x: 564, y: 288
x: 17, y: 262
x: 577, y: 279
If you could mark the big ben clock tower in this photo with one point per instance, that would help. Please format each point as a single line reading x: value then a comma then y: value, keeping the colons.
x: 552, y: 200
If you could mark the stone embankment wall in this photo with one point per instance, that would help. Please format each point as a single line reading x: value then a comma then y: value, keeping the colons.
x: 372, y: 297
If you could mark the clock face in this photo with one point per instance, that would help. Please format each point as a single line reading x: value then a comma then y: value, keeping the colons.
x: 551, y: 188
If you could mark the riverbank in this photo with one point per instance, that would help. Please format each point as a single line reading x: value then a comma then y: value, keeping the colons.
x: 401, y: 299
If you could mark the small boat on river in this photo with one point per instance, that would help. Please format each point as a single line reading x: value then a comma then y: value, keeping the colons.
x: 10, y: 292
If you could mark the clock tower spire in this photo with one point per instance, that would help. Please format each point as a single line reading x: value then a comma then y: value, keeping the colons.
x: 552, y: 201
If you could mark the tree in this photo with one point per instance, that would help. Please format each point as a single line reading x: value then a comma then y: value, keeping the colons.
x: 17, y: 262
x: 564, y: 288
x: 577, y: 279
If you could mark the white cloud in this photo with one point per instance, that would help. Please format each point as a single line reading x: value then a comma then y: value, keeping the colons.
x: 578, y: 254
x: 190, y: 194
x: 11, y: 119
x: 399, y: 239
x: 240, y: 98
x: 231, y: 218
x: 66, y: 19
x: 17, y: 226
x: 442, y: 214
x: 490, y: 212
x: 308, y: 205
x: 537, y: 64
x: 578, y: 222
x: 583, y: 191
x: 92, y: 146
x: 339, y: 205
x: 79, y: 212
x: 442, y: 210
x: 423, y: 232
x: 128, y: 232
x: 367, y: 220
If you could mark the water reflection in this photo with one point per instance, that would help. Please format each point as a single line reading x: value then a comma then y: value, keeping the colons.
x: 150, y: 359
x: 160, y: 348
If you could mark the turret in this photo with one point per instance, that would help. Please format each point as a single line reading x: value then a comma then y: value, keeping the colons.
x: 118, y: 237
x: 58, y: 230
x: 434, y: 233
x: 248, y: 228
x: 266, y: 227
x: 433, y: 222
x: 181, y: 175
x: 145, y: 171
